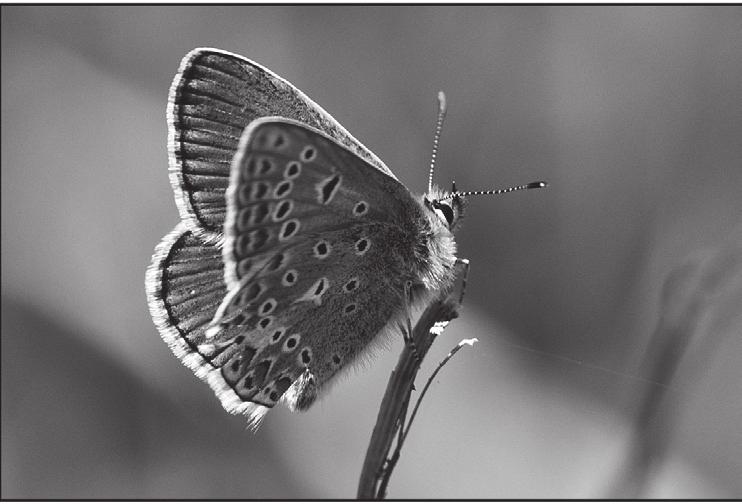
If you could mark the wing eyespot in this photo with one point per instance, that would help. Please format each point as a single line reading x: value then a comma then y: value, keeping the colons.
x: 305, y: 356
x: 283, y: 189
x: 266, y: 165
x: 277, y: 335
x: 351, y: 285
x: 293, y: 170
x: 283, y: 209
x: 362, y: 245
x: 321, y: 249
x: 327, y: 188
x: 360, y: 209
x: 289, y: 278
x: 267, y: 307
x: 259, y: 190
x: 308, y: 154
x: 291, y: 342
x: 288, y: 229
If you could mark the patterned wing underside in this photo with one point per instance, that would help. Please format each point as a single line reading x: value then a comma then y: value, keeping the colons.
x: 317, y: 251
x: 314, y: 330
x: 184, y: 286
x: 320, y: 321
x: 214, y: 96
x: 289, y: 184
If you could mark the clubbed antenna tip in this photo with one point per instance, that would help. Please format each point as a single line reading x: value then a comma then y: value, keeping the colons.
x: 438, y: 128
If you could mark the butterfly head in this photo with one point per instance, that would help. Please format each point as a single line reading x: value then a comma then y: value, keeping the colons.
x: 447, y: 206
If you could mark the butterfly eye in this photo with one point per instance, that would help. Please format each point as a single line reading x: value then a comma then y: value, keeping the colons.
x: 444, y: 211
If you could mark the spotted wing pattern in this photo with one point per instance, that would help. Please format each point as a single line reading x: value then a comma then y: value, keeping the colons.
x: 213, y: 98
x: 318, y: 247
x: 184, y: 287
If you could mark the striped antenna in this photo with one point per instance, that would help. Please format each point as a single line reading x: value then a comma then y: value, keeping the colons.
x: 532, y: 185
x: 438, y: 128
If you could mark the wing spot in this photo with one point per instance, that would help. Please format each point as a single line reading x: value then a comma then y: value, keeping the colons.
x: 249, y: 169
x: 277, y: 335
x: 283, y: 189
x: 306, y: 355
x: 360, y: 208
x: 261, y: 370
x: 251, y: 293
x: 242, y: 246
x: 267, y: 307
x: 309, y: 153
x: 248, y: 381
x: 243, y: 267
x: 239, y: 339
x: 349, y: 308
x: 260, y: 213
x: 259, y: 236
x: 291, y: 342
x: 273, y: 396
x: 276, y: 262
x: 289, y: 278
x: 279, y: 141
x: 243, y: 194
x: 362, y: 246
x: 327, y: 188
x: 265, y: 322
x: 289, y: 229
x: 336, y: 359
x: 351, y: 285
x: 293, y: 169
x: 282, y: 210
x: 322, y: 249
x: 320, y: 287
x: 314, y: 294
x: 265, y: 166
x: 259, y: 190
x: 243, y: 219
x: 236, y: 365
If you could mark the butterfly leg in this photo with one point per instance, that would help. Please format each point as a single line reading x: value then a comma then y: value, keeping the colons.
x: 407, y: 331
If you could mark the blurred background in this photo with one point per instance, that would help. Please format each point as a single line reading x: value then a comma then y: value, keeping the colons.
x: 594, y: 376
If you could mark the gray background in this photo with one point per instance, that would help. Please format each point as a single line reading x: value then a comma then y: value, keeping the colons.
x: 631, y: 113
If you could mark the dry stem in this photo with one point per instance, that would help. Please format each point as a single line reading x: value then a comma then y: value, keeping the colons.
x: 377, y: 466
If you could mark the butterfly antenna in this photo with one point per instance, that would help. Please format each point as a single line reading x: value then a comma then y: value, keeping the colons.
x: 532, y: 185
x: 438, y: 128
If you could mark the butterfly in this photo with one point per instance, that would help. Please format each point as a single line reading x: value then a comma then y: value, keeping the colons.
x: 298, y: 249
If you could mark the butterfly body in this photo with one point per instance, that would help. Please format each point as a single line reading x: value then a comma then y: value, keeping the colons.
x: 294, y: 258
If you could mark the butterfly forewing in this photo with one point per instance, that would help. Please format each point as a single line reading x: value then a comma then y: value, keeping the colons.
x: 214, y: 96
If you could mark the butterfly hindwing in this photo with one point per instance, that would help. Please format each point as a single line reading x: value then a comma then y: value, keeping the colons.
x: 184, y: 286
x: 333, y: 309
x: 213, y: 98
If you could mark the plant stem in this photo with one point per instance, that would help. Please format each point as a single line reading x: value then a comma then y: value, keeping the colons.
x: 377, y: 467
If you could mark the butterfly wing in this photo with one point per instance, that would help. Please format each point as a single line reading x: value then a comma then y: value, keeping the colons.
x: 213, y: 97
x: 318, y: 247
x: 185, y: 285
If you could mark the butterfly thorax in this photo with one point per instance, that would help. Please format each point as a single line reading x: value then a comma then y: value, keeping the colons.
x: 435, y: 250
